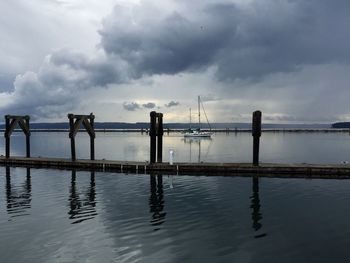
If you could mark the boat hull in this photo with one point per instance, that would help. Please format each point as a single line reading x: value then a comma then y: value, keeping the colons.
x: 198, y: 135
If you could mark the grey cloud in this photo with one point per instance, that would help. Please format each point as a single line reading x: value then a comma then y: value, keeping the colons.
x: 243, y: 42
x: 60, y: 83
x: 172, y: 104
x: 131, y: 106
x: 210, y: 97
x: 97, y: 72
x: 167, y: 45
x: 6, y: 81
x: 252, y: 41
x: 149, y: 105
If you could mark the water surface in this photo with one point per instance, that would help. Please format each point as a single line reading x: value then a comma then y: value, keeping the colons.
x: 234, y: 147
x: 65, y: 216
x: 75, y: 216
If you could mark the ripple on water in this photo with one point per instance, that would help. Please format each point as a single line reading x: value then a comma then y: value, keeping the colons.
x: 79, y: 217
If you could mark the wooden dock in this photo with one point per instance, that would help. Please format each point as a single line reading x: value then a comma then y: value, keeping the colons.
x: 209, y: 169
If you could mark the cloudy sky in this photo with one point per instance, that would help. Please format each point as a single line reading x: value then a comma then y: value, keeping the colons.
x: 121, y: 59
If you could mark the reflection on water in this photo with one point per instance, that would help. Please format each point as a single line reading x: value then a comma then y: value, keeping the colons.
x: 110, y: 217
x: 233, y: 147
x: 18, y: 197
x: 195, y: 148
x: 156, y: 201
x: 255, y: 206
x: 82, y: 206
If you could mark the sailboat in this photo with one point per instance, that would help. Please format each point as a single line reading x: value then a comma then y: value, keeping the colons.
x: 196, y: 132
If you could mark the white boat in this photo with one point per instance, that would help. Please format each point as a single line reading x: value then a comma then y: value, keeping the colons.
x: 196, y: 132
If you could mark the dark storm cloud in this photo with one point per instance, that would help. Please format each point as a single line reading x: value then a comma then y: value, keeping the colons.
x: 170, y: 44
x: 172, y: 104
x: 60, y: 83
x: 252, y: 41
x: 131, y: 106
x: 149, y: 105
x: 249, y: 41
x: 98, y: 72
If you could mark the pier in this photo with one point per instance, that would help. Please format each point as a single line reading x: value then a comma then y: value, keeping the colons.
x: 209, y: 169
x: 155, y: 165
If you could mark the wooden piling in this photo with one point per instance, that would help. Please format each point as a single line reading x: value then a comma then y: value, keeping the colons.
x: 92, y: 137
x: 160, y: 133
x: 27, y: 133
x: 256, y: 133
x: 71, y: 136
x: 152, y: 134
x: 88, y: 122
x: 156, y: 132
x: 7, y: 136
x: 11, y: 123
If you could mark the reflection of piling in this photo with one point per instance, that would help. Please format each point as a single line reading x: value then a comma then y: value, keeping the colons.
x: 256, y: 132
x: 18, y: 198
x: 255, y: 206
x: 156, y: 200
x: 81, y: 209
x: 156, y: 137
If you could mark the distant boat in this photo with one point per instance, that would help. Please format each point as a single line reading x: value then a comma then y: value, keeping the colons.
x: 196, y: 132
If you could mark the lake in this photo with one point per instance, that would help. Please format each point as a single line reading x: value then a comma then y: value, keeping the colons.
x: 78, y: 216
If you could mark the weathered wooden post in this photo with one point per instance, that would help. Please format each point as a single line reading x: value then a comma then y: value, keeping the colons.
x: 152, y: 134
x: 7, y: 136
x: 72, y: 138
x: 92, y: 136
x: 156, y: 132
x: 27, y: 133
x: 88, y: 122
x: 11, y: 123
x: 256, y: 132
x: 160, y: 132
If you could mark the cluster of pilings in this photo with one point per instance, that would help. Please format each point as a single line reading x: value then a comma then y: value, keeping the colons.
x: 156, y: 132
x: 156, y: 136
x: 75, y: 121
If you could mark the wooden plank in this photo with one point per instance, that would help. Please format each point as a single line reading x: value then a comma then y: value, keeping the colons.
x: 222, y: 169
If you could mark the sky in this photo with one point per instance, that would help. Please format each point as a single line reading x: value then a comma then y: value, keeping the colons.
x: 122, y: 59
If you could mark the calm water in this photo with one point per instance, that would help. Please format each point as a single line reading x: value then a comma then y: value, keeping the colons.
x: 67, y: 216
x: 275, y: 147
x: 62, y: 216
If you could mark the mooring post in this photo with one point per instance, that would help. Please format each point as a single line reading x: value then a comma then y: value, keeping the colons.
x: 152, y: 134
x: 7, y: 136
x: 256, y: 132
x: 71, y: 136
x: 27, y: 135
x: 160, y: 132
x: 92, y: 137
x: 11, y: 122
x: 75, y: 122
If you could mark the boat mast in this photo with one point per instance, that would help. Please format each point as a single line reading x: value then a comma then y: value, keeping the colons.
x: 199, y: 112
